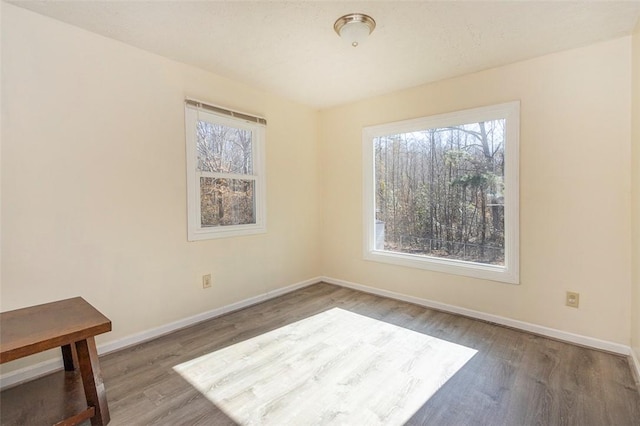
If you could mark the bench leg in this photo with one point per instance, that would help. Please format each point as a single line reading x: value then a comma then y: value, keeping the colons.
x: 92, y: 380
x: 69, y: 357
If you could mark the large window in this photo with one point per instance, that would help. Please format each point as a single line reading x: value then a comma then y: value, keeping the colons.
x: 441, y: 192
x: 225, y: 172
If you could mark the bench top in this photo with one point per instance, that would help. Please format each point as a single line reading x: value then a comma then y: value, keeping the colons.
x: 35, y: 329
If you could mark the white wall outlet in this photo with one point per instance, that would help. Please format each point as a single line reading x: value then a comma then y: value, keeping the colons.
x: 573, y: 299
x: 206, y: 281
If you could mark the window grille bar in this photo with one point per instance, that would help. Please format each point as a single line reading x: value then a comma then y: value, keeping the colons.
x: 224, y: 111
x: 218, y: 175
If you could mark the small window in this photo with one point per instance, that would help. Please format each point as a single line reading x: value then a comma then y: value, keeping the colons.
x: 225, y: 173
x: 441, y: 192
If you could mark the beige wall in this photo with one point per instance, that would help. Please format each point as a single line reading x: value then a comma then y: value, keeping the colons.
x: 94, y: 189
x: 574, y: 191
x: 635, y: 179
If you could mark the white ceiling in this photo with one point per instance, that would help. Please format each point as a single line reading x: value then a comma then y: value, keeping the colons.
x: 289, y: 47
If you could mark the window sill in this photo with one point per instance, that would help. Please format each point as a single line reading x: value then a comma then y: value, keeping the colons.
x: 448, y: 266
x: 225, y: 232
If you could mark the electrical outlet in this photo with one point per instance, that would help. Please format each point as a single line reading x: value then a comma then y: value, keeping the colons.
x: 206, y: 281
x: 573, y: 299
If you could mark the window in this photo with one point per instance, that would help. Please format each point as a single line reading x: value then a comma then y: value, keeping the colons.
x: 225, y: 172
x: 441, y: 192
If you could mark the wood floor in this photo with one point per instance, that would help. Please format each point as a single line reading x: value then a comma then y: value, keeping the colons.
x: 515, y: 378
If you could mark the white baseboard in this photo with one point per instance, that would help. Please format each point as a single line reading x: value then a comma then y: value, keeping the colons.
x: 30, y: 372
x: 138, y: 338
x: 521, y: 325
x: 49, y: 366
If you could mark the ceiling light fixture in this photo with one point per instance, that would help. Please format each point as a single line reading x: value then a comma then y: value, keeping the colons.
x: 354, y: 27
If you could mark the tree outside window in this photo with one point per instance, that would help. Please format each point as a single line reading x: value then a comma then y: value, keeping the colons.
x: 225, y: 175
x: 442, y: 192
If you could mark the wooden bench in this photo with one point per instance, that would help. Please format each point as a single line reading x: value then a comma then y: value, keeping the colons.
x: 70, y: 324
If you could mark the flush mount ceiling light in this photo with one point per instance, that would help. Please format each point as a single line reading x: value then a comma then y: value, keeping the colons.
x: 354, y: 27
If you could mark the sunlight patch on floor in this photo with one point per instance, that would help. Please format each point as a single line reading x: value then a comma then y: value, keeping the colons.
x: 334, y: 367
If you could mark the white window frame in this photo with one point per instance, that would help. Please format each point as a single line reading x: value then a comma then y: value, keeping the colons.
x: 509, y: 273
x: 196, y: 231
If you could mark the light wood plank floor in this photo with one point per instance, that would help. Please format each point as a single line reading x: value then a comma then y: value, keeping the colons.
x: 515, y: 378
